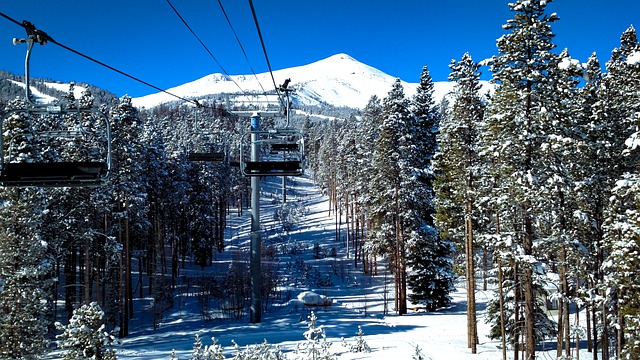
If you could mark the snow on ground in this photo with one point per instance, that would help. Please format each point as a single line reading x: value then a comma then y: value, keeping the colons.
x: 39, y: 97
x: 356, y: 300
x: 77, y: 90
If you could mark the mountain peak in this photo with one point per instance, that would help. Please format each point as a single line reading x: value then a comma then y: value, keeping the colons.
x: 339, y: 80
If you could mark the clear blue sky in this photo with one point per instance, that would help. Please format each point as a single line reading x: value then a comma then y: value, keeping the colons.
x: 147, y: 40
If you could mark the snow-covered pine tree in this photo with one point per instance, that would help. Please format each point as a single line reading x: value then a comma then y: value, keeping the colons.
x: 316, y: 346
x: 346, y: 175
x: 25, y: 261
x: 621, y: 309
x: 386, y: 213
x: 556, y: 225
x: 84, y: 337
x: 515, y: 133
x: 599, y: 148
x: 129, y: 193
x: 429, y: 255
x: 367, y: 137
x: 457, y: 169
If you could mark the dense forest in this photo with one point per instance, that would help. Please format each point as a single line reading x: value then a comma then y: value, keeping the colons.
x: 530, y: 187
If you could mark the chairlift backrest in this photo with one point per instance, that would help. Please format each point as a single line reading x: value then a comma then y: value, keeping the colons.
x: 280, y: 153
x: 51, y: 161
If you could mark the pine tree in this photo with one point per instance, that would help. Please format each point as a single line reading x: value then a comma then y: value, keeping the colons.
x: 316, y: 346
x: 386, y: 213
x: 129, y: 195
x: 429, y: 255
x: 516, y: 131
x: 25, y: 260
x: 365, y: 148
x: 457, y: 168
x: 84, y: 337
x: 621, y: 311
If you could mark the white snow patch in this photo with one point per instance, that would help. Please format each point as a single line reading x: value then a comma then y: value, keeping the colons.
x: 567, y: 63
x: 310, y: 298
x: 634, y: 58
x: 77, y: 90
x: 40, y: 98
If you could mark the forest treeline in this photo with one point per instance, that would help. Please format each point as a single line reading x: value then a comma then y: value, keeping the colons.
x: 535, y: 183
x: 532, y: 188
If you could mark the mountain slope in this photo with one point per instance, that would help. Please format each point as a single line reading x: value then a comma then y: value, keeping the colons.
x: 339, y: 80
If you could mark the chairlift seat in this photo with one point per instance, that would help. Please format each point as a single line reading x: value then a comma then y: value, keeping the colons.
x: 280, y: 147
x: 272, y: 168
x: 208, y: 156
x: 81, y: 173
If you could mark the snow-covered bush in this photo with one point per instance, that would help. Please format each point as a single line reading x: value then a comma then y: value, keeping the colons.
x: 261, y: 351
x: 360, y: 345
x: 289, y: 215
x: 84, y: 337
x: 418, y: 355
x: 316, y: 346
x: 200, y: 352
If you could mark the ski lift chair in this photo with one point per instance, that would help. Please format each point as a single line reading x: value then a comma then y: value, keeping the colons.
x: 279, y: 153
x: 16, y: 171
x: 24, y: 170
x: 215, y: 152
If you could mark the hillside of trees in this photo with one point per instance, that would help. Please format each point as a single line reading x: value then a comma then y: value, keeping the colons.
x: 538, y: 177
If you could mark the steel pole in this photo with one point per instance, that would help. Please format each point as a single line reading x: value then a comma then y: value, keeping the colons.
x: 256, y: 241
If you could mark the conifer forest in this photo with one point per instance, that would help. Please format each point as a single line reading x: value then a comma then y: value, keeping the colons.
x: 529, y: 192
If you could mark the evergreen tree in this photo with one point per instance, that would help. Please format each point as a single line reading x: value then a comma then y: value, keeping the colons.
x: 368, y: 136
x: 429, y: 255
x: 457, y: 168
x: 386, y: 212
x: 516, y: 132
x: 25, y: 260
x: 129, y: 195
x: 621, y: 311
x: 84, y: 337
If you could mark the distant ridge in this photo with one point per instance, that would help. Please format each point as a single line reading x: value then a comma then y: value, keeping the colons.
x: 339, y: 80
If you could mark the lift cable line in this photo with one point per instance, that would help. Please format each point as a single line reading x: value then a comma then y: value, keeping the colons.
x: 241, y: 47
x: 44, y: 38
x: 203, y: 45
x: 266, y: 56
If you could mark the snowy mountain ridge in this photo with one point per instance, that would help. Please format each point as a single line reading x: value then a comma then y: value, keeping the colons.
x: 338, y: 80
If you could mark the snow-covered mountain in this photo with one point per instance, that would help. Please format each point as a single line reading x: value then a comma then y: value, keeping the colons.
x: 339, y: 80
x: 42, y: 98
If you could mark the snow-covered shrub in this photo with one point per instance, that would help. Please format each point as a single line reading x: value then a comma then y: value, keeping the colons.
x: 200, y: 352
x: 418, y: 355
x: 261, y: 351
x: 360, y: 345
x: 84, y: 337
x: 289, y: 215
x: 316, y: 346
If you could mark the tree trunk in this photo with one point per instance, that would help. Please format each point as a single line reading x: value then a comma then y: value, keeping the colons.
x: 501, y: 304
x: 529, y: 296
x: 472, y: 329
x: 87, y: 270
x: 516, y: 310
x: 561, y: 308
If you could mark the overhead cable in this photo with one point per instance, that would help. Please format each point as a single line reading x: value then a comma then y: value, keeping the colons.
x: 266, y: 56
x: 241, y: 47
x: 203, y: 45
x: 46, y: 38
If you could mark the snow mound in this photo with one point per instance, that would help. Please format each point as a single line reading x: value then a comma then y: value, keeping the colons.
x: 310, y: 298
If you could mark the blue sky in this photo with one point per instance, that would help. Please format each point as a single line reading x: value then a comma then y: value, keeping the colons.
x: 146, y: 39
